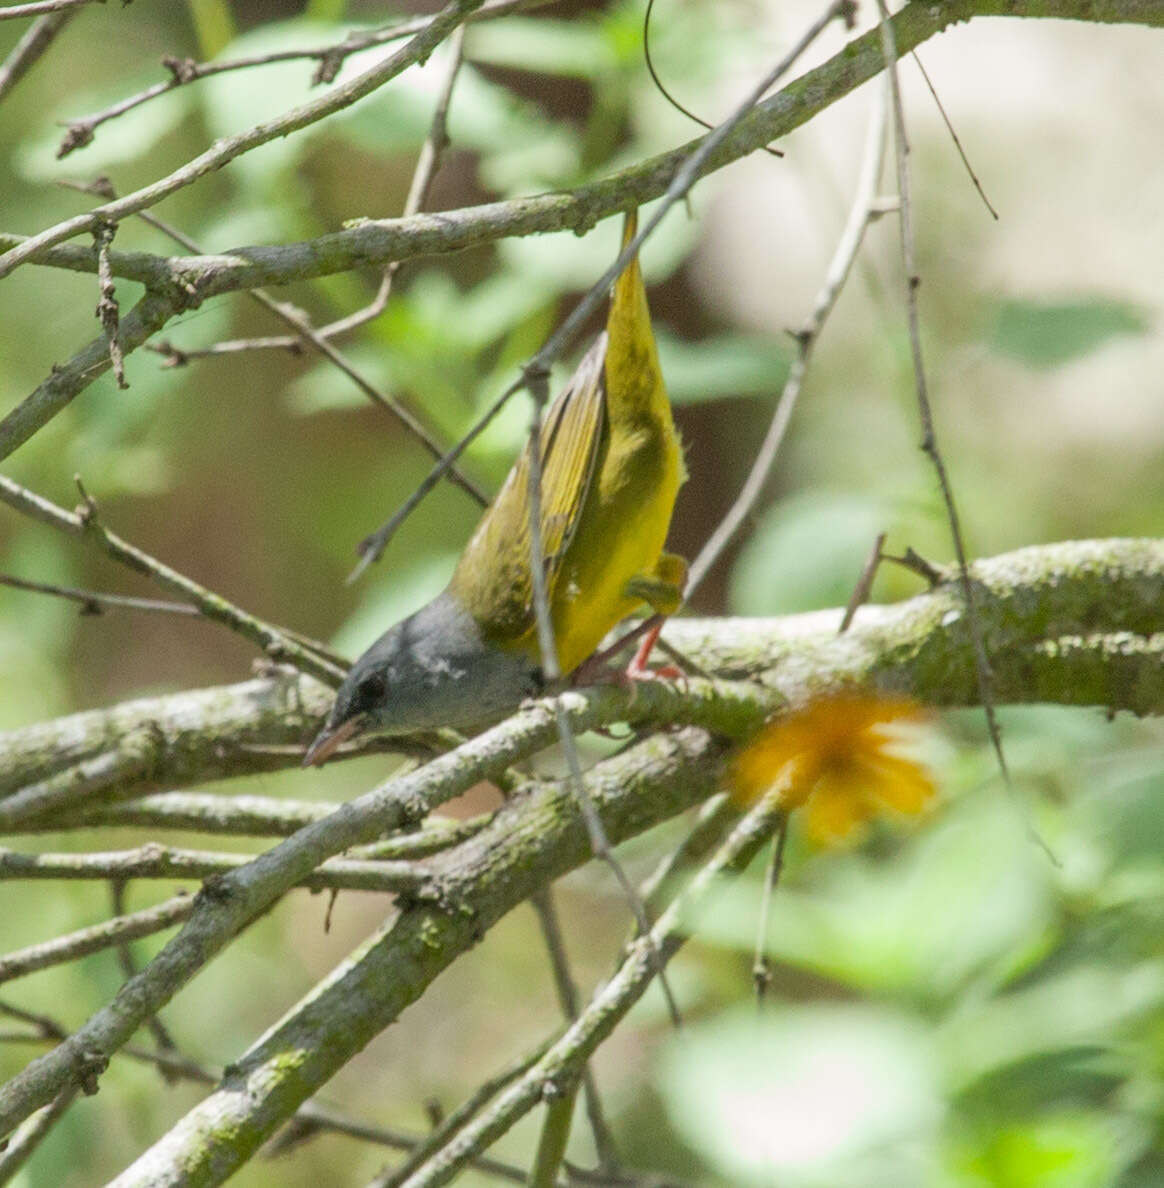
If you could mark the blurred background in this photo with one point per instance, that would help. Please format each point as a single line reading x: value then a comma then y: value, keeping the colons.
x: 950, y: 1007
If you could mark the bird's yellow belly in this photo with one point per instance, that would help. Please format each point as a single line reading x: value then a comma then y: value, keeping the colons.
x: 620, y: 537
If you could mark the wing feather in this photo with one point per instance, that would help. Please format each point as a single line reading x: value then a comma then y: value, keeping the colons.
x: 493, y: 578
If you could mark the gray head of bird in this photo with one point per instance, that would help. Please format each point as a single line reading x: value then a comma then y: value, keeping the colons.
x: 433, y: 669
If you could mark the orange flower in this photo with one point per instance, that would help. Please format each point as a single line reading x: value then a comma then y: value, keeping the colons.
x: 836, y: 754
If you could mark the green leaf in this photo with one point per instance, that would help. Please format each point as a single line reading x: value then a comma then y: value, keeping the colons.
x: 807, y: 553
x: 1082, y: 1006
x: 1071, y: 1149
x: 213, y: 25
x: 820, y: 1095
x: 128, y: 138
x: 966, y: 900
x: 572, y: 49
x: 1049, y: 334
x: 725, y: 365
x: 325, y: 10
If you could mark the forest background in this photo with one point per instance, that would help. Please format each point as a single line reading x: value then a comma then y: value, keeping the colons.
x: 1008, y: 1008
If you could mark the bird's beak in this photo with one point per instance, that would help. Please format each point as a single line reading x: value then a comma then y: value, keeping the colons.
x: 329, y: 740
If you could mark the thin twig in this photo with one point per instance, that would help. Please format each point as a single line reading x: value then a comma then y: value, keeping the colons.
x: 861, y: 590
x: 929, y: 442
x: 107, y: 310
x: 862, y: 212
x: 330, y: 58
x: 32, y: 47
x: 74, y: 945
x: 175, y: 284
x: 560, y: 1098
x: 85, y: 522
x: 1078, y: 583
x: 229, y: 148
x: 154, y: 861
x: 129, y: 968
x: 39, y: 7
x: 648, y: 61
x: 92, y: 601
x: 607, y: 1008
x: 535, y: 378
x: 537, y: 381
x: 534, y: 374
x: 954, y: 137
x: 255, y: 816
x: 26, y: 1140
x: 761, y: 967
x: 305, y: 333
x: 313, y: 1115
x: 547, y: 913
x: 451, y: 1123
x: 715, y: 817
x: 372, y: 547
x: 426, y: 165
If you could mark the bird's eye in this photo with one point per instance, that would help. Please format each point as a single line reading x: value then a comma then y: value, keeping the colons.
x: 370, y: 689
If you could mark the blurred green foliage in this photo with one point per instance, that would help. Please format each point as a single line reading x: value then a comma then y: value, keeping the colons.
x: 950, y: 1008
x: 1049, y: 334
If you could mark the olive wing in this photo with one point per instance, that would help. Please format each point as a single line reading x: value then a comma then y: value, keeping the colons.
x: 493, y: 577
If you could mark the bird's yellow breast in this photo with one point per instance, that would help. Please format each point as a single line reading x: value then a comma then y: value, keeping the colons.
x: 620, y: 535
x: 612, y: 467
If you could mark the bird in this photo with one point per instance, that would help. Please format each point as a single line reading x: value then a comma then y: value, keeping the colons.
x: 611, y: 468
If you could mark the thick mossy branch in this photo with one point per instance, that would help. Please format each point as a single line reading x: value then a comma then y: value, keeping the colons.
x: 1080, y: 620
x: 1074, y: 624
x: 203, y: 734
x: 533, y: 840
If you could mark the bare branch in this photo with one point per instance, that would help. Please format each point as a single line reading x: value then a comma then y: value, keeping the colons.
x: 31, y: 48
x: 313, y: 1116
x: 14, y: 12
x: 153, y: 861
x: 92, y: 601
x: 253, y: 816
x: 26, y: 1140
x: 533, y: 839
x: 607, y: 1008
x: 288, y: 313
x: 275, y: 643
x: 176, y: 284
x: 330, y: 58
x: 1070, y: 623
x: 223, y: 151
x: 81, y: 943
x: 443, y: 1131
x: 426, y: 166
x: 861, y: 214
x: 547, y: 913
x: 929, y: 442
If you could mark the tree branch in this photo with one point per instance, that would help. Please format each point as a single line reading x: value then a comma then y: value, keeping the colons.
x: 1070, y: 623
x: 330, y: 58
x: 177, y: 283
x: 534, y: 839
x: 222, y: 152
x: 1075, y: 623
x: 32, y: 47
x: 275, y: 643
x: 153, y: 861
